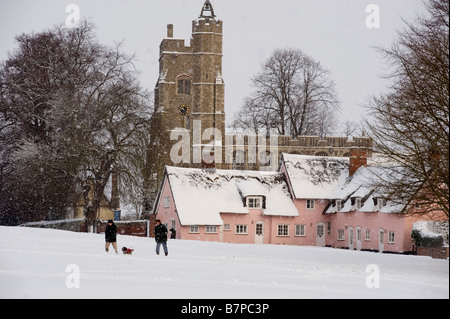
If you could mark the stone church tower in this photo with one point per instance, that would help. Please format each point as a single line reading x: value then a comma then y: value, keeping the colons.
x: 188, y: 124
x: 190, y: 92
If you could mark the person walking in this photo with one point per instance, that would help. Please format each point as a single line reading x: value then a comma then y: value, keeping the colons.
x: 161, y: 237
x: 111, y: 235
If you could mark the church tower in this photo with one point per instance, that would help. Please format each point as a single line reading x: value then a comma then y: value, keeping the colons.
x: 190, y: 91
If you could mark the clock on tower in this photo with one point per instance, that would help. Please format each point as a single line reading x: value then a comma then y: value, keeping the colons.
x: 183, y: 109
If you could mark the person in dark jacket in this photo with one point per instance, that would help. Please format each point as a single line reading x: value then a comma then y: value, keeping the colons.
x: 173, y: 233
x: 161, y: 237
x: 111, y: 235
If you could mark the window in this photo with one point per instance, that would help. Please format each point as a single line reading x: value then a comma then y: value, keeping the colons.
x: 299, y: 230
x: 241, y: 229
x: 211, y: 230
x: 310, y: 204
x: 259, y: 229
x: 341, y: 234
x: 391, y: 237
x: 226, y: 227
x: 338, y: 204
x: 184, y: 86
x: 358, y: 203
x: 320, y: 230
x: 194, y: 229
x: 254, y: 202
x: 381, y: 202
x: 367, y: 238
x: 283, y: 230
x: 166, y: 202
x: 358, y: 234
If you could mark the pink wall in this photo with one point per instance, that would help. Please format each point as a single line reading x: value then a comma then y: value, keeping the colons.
x: 369, y: 221
x: 310, y: 218
x: 270, y: 228
x: 400, y: 224
x: 201, y: 235
x: 167, y: 214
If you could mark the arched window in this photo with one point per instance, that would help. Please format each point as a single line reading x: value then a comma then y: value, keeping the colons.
x: 184, y: 85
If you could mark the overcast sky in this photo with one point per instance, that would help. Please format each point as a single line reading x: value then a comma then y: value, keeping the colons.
x: 333, y: 32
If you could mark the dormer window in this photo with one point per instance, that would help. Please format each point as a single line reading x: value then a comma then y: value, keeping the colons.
x: 338, y: 204
x: 358, y: 203
x: 381, y: 202
x: 254, y: 202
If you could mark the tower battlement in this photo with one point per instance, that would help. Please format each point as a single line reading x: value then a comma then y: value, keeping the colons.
x: 207, y: 26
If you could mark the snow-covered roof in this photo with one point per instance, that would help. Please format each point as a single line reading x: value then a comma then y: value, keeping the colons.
x: 322, y: 177
x: 315, y: 177
x: 200, y: 196
x: 363, y: 185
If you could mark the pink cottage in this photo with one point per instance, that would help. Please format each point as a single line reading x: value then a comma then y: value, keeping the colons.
x: 315, y: 201
x: 227, y: 206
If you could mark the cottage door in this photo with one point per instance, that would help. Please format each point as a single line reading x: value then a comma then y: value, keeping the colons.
x: 358, y: 238
x: 259, y: 233
x: 381, y: 240
x: 320, y: 234
x: 351, y: 236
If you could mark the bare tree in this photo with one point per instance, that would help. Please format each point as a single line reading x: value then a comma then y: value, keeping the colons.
x: 410, y: 123
x: 350, y: 127
x: 293, y: 93
x: 76, y: 108
x: 254, y: 118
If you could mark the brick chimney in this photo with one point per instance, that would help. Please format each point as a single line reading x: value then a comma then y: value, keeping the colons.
x: 358, y: 158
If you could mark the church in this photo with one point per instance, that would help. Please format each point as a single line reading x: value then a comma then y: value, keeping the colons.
x: 217, y: 185
x: 188, y: 126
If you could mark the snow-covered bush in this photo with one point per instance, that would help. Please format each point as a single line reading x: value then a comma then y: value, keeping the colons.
x: 429, y: 234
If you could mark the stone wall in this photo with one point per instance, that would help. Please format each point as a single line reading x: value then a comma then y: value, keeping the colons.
x: 138, y: 228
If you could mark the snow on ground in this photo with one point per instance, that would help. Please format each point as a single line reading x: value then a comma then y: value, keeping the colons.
x: 44, y: 263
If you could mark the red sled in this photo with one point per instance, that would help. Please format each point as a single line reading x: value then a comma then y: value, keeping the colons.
x: 127, y: 251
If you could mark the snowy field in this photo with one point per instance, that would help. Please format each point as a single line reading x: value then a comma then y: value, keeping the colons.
x: 38, y: 263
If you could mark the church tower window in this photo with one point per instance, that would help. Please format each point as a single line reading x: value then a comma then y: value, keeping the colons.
x: 184, y: 86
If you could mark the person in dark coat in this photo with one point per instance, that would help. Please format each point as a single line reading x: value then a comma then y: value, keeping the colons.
x: 161, y: 237
x: 173, y: 233
x: 111, y: 235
